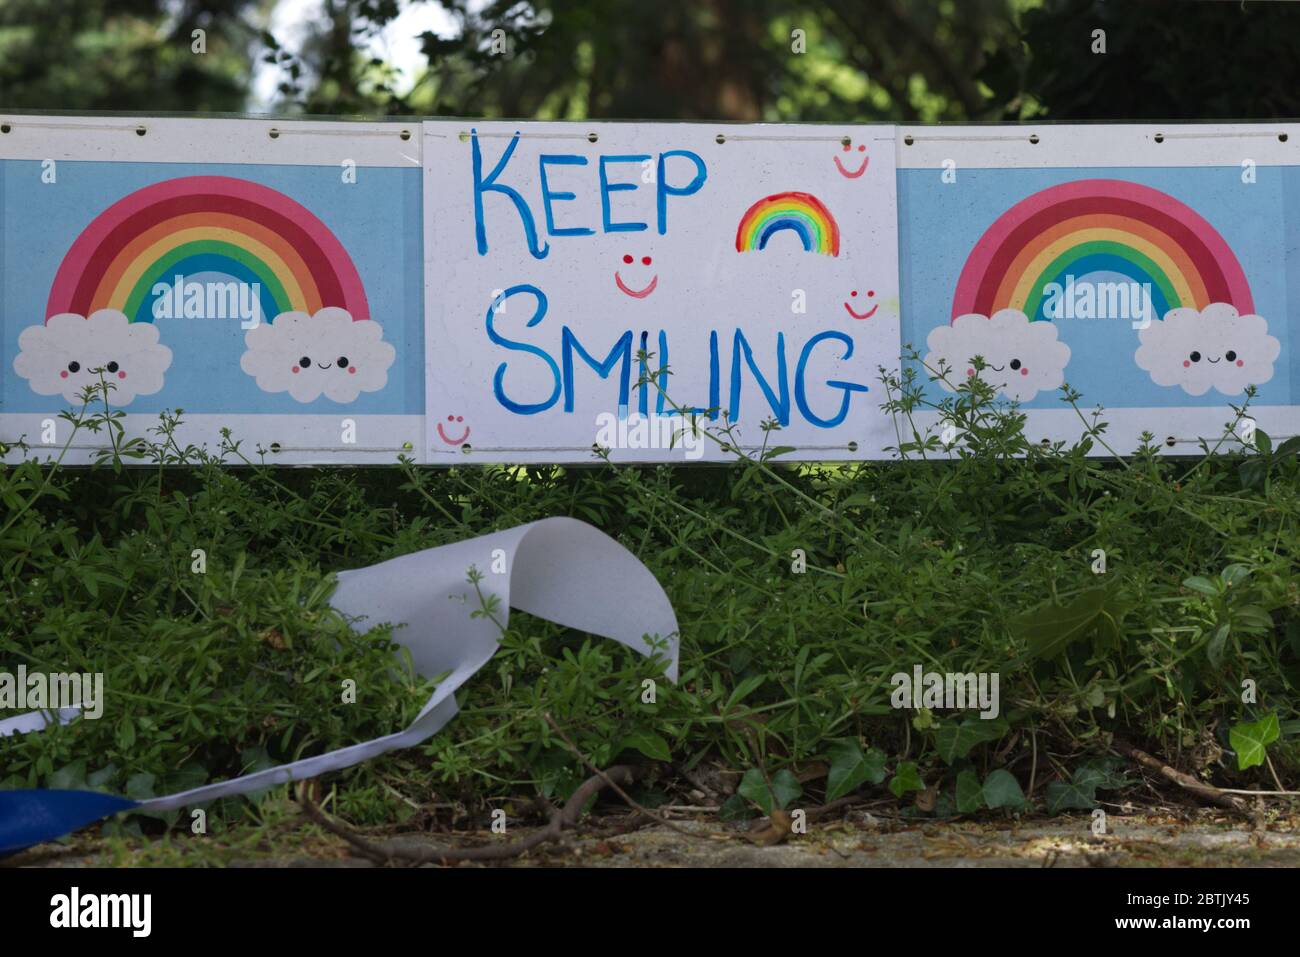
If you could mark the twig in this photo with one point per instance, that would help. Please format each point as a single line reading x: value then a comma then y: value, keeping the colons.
x: 567, y: 817
x: 1206, y: 792
x: 658, y: 818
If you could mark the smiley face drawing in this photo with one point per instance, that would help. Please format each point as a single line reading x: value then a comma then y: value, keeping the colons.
x: 464, y: 436
x: 871, y: 294
x: 862, y: 167
x: 643, y: 291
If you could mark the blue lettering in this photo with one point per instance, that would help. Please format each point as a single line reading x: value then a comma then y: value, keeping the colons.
x: 664, y: 190
x: 848, y: 388
x: 498, y: 381
x: 548, y: 197
x: 490, y: 185
x: 606, y: 188
x: 781, y: 406
x: 622, y: 348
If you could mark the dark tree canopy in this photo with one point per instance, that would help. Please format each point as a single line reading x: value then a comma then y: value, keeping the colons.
x: 834, y: 60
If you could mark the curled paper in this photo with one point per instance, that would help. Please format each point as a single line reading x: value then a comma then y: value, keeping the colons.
x: 559, y: 569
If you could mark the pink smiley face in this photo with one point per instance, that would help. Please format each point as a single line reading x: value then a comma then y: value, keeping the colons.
x: 862, y: 167
x: 871, y: 294
x: 464, y: 436
x: 643, y: 291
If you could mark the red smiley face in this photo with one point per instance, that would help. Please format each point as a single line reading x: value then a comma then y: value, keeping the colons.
x: 862, y: 167
x: 450, y: 441
x: 645, y: 290
x: 871, y: 294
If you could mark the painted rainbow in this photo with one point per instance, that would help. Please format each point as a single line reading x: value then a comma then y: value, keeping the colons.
x: 802, y: 213
x: 213, y: 225
x: 1100, y: 225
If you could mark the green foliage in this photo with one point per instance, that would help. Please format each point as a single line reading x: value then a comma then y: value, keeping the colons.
x: 975, y: 559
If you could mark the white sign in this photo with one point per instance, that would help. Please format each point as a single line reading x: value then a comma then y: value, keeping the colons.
x: 660, y: 291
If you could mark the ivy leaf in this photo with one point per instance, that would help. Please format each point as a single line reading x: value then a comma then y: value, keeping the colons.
x: 1001, y: 789
x: 735, y: 808
x: 71, y: 777
x: 785, y: 788
x: 851, y: 768
x: 956, y: 740
x: 754, y: 787
x: 139, y: 787
x: 906, y: 778
x: 1249, y: 739
x: 970, y: 796
x: 1063, y: 795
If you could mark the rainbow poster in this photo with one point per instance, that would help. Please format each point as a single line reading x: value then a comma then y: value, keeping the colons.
x: 480, y: 291
x: 1084, y: 261
x: 273, y: 299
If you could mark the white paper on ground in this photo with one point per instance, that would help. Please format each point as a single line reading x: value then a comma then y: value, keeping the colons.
x: 560, y: 569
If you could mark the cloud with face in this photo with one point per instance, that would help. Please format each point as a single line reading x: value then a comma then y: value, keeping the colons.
x: 60, y: 357
x: 1214, y: 347
x: 1022, y: 358
x: 325, y: 354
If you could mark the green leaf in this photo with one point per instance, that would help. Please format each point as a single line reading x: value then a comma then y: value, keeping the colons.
x: 970, y: 796
x: 71, y: 777
x: 1072, y: 795
x: 1214, y: 650
x: 1201, y: 584
x: 1252, y: 471
x: 1049, y: 629
x: 744, y: 689
x: 906, y: 778
x: 649, y: 744
x: 139, y: 787
x: 785, y: 788
x: 126, y: 733
x: 1263, y: 442
x: 851, y: 768
x: 955, y: 741
x: 1290, y: 447
x: 1001, y: 789
x: 735, y: 808
x: 1250, y: 739
x: 1232, y: 574
x: 754, y: 788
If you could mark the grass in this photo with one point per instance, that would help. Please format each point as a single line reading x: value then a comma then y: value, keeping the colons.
x: 800, y: 590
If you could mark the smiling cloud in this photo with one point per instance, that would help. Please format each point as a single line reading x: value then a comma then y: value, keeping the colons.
x: 1215, y: 347
x: 60, y: 356
x: 1022, y: 357
x: 325, y: 354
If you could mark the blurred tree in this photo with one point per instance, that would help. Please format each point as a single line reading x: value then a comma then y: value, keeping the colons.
x: 1162, y: 60
x: 718, y: 59
x: 133, y: 55
x: 809, y: 60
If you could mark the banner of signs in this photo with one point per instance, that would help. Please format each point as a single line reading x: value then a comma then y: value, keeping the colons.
x: 462, y: 290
